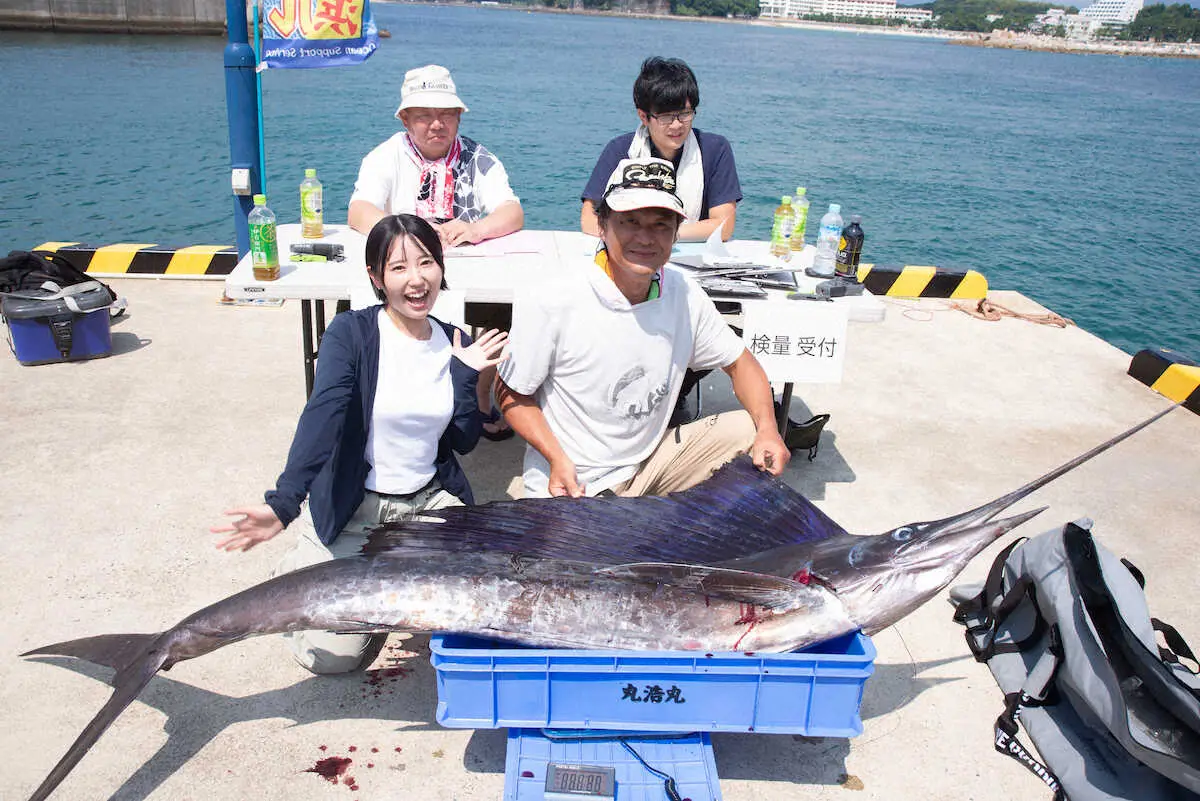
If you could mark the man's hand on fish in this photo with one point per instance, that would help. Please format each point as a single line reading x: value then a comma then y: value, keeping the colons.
x: 769, y: 451
x: 456, y: 232
x: 484, y: 352
x: 257, y: 524
x: 563, y: 479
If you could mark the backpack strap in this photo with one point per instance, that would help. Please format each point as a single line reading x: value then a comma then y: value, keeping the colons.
x: 1176, y: 646
x: 984, y: 613
x: 64, y: 293
x: 1008, y: 743
x: 1038, y: 690
x: 1136, y: 572
x: 981, y: 604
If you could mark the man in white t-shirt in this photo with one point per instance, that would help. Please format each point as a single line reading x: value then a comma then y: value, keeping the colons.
x: 596, y: 361
x: 431, y: 171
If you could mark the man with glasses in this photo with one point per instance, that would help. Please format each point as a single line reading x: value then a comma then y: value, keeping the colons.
x: 430, y: 171
x: 597, y: 359
x: 666, y: 97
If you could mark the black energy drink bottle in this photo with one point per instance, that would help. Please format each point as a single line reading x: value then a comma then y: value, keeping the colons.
x: 850, y: 250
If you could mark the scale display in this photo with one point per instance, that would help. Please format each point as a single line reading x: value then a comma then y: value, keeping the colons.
x: 573, y: 782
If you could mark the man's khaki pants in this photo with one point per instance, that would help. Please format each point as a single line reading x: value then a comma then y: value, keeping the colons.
x: 327, y: 651
x: 690, y: 453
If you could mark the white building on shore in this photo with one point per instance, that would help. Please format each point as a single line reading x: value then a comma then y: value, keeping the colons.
x: 1113, y: 12
x: 1101, y: 14
x: 873, y: 9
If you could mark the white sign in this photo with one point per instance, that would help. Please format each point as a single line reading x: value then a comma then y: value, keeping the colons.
x: 799, y: 341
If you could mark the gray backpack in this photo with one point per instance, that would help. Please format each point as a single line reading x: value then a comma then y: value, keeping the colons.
x: 1064, y: 627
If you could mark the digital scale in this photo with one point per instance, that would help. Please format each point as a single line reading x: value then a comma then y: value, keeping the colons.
x: 575, y: 782
x: 594, y: 765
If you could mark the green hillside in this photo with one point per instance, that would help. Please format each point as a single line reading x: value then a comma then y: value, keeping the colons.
x: 972, y: 15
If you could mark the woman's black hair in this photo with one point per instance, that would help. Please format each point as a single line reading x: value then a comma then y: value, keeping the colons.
x: 384, y: 235
x: 665, y: 84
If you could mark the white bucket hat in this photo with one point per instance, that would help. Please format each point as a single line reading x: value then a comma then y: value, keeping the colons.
x: 428, y: 87
x: 644, y: 183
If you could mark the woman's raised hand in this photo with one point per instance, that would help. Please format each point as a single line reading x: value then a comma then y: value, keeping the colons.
x: 256, y: 524
x: 484, y: 352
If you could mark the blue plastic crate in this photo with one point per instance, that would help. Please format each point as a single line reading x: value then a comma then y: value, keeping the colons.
x: 484, y: 684
x: 688, y: 759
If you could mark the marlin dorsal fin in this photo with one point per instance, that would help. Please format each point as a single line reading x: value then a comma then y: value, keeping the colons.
x: 719, y: 582
x: 737, y: 512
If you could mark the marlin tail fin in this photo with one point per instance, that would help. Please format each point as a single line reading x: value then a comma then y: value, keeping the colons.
x: 135, y: 657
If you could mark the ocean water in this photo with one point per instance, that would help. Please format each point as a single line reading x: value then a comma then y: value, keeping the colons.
x: 1070, y: 178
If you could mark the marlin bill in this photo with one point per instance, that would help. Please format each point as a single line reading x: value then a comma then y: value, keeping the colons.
x: 739, y: 562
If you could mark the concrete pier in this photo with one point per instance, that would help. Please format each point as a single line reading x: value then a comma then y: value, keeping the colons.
x: 113, y: 470
x: 115, y: 16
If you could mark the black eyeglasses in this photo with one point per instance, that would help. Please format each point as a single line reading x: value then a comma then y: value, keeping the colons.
x: 645, y: 176
x: 668, y: 117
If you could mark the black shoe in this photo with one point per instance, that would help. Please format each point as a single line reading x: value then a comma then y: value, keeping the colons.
x: 500, y: 434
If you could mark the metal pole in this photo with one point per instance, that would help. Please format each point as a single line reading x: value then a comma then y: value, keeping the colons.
x: 241, y: 105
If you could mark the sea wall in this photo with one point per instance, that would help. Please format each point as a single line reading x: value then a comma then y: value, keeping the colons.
x: 1051, y: 44
x: 115, y: 16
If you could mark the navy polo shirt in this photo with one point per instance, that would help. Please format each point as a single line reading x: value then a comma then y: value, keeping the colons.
x: 720, y: 173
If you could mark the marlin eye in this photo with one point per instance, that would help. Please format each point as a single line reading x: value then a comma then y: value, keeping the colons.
x: 903, y: 534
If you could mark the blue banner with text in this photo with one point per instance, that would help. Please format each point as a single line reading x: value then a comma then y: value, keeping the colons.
x: 317, y: 33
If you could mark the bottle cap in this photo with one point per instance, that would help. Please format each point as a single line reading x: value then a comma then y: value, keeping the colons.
x: 856, y: 218
x: 836, y: 208
x: 800, y: 190
x: 260, y: 200
x: 309, y: 172
x: 786, y: 199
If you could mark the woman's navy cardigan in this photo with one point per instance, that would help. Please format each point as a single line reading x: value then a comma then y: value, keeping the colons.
x: 327, y: 461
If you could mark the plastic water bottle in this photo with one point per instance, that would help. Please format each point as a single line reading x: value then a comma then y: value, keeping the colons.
x: 827, y: 242
x: 264, y: 247
x: 800, y: 204
x: 850, y: 249
x: 311, y: 221
x: 781, y: 231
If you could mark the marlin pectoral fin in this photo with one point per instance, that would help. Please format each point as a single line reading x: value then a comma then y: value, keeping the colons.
x: 737, y: 585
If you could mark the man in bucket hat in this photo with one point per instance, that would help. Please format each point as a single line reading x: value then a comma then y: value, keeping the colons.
x: 429, y: 170
x: 596, y: 361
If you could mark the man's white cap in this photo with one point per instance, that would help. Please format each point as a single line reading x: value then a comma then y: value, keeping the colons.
x: 428, y: 87
x: 644, y: 183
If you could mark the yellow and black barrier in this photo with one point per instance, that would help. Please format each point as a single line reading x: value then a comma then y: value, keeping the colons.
x: 911, y: 281
x: 1168, y: 374
x: 147, y: 259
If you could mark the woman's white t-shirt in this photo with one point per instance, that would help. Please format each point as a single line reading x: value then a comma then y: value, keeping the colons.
x: 414, y: 401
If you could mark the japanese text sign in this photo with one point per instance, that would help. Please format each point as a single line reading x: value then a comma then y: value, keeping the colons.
x: 803, y: 342
x: 317, y: 33
x: 652, y: 694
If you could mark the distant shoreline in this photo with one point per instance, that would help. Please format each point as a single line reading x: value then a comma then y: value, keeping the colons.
x: 769, y: 23
x: 1050, y: 44
x: 997, y: 39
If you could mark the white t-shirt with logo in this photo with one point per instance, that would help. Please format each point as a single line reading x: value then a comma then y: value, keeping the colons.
x: 414, y: 401
x: 606, y: 373
x: 389, y: 180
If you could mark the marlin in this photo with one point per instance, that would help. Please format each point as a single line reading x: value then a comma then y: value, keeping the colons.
x: 739, y: 562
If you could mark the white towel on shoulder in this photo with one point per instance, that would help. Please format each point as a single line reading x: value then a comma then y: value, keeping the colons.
x: 689, y: 176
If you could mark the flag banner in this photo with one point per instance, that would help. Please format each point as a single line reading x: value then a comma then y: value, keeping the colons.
x: 317, y: 33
